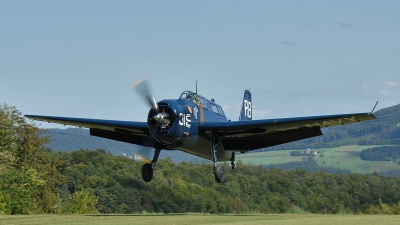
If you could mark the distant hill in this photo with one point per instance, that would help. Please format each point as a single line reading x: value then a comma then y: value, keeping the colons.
x: 383, y: 131
x: 72, y: 139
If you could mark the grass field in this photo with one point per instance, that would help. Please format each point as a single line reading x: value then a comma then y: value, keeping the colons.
x: 345, y: 157
x: 202, y: 219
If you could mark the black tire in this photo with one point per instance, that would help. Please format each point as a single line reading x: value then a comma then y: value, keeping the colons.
x: 147, y: 172
x: 219, y: 173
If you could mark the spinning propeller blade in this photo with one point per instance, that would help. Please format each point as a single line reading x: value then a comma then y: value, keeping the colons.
x: 143, y: 88
x: 160, y: 118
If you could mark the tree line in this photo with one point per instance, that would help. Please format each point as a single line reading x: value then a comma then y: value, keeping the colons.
x: 30, y: 175
x: 308, y: 164
x: 189, y: 187
x: 384, y: 153
x: 35, y: 179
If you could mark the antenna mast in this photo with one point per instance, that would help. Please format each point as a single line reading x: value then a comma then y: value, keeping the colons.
x: 374, y: 107
x: 196, y: 86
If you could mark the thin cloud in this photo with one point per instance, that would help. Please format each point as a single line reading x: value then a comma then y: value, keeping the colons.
x: 349, y: 98
x: 345, y: 25
x: 366, y: 89
x: 384, y: 93
x: 393, y: 84
x: 260, y: 114
x: 232, y: 111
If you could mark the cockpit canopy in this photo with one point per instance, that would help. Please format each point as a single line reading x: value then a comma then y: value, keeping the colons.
x: 202, y: 102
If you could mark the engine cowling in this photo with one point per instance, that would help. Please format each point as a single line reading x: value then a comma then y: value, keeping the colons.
x: 163, y: 123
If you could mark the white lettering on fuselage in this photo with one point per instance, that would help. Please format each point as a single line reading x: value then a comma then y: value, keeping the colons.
x: 184, y: 120
x: 247, y: 108
x: 195, y: 111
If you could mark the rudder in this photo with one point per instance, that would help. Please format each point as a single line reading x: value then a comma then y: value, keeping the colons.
x: 246, y: 110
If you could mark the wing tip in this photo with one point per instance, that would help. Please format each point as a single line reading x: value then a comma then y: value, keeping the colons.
x: 30, y: 116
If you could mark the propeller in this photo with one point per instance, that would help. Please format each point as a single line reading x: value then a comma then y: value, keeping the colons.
x: 160, y: 116
x: 143, y: 88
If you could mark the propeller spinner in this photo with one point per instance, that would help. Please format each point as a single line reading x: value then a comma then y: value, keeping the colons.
x: 160, y: 119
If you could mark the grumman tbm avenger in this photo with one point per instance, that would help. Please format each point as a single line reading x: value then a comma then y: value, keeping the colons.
x: 198, y: 126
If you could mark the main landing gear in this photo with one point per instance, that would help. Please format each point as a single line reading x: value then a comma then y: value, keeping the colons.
x: 233, y: 162
x: 148, y: 168
x: 219, y: 170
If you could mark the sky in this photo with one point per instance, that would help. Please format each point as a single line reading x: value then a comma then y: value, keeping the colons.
x: 298, y: 58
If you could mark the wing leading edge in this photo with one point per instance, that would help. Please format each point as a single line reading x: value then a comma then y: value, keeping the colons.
x: 126, y: 131
x: 255, y: 134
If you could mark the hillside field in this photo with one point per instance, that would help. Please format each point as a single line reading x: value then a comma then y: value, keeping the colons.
x: 345, y: 157
x: 178, y: 219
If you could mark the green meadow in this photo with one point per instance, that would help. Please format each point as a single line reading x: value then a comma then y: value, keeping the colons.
x: 345, y: 157
x: 166, y: 219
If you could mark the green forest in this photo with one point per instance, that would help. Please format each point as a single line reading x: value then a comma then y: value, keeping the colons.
x: 384, y: 153
x: 36, y: 180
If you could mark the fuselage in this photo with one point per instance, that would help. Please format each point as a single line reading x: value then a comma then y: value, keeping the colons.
x: 184, y: 115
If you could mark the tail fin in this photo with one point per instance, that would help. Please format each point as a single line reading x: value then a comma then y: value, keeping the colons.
x: 246, y: 111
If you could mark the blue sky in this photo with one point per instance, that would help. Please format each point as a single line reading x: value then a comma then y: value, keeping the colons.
x: 299, y: 58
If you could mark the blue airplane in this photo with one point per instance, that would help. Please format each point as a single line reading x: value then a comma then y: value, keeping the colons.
x: 198, y: 126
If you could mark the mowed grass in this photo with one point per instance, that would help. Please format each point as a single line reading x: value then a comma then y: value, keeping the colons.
x: 266, y: 158
x: 345, y: 157
x: 202, y: 219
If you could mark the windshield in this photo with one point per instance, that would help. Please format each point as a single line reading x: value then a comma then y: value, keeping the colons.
x: 201, y: 101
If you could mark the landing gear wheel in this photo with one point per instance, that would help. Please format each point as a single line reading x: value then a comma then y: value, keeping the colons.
x: 147, y: 172
x: 219, y: 173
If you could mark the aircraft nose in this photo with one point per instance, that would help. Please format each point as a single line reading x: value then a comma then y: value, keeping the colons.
x: 159, y: 117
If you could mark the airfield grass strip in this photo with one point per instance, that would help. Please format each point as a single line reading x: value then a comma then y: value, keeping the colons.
x: 178, y: 219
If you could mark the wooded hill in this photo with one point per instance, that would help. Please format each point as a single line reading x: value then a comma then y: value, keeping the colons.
x: 189, y: 187
x: 385, y: 153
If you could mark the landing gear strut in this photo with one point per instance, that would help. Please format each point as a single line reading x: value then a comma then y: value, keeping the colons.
x: 233, y: 162
x: 219, y: 170
x: 148, y: 168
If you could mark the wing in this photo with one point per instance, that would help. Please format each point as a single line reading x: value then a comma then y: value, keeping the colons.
x: 255, y: 134
x: 126, y: 131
